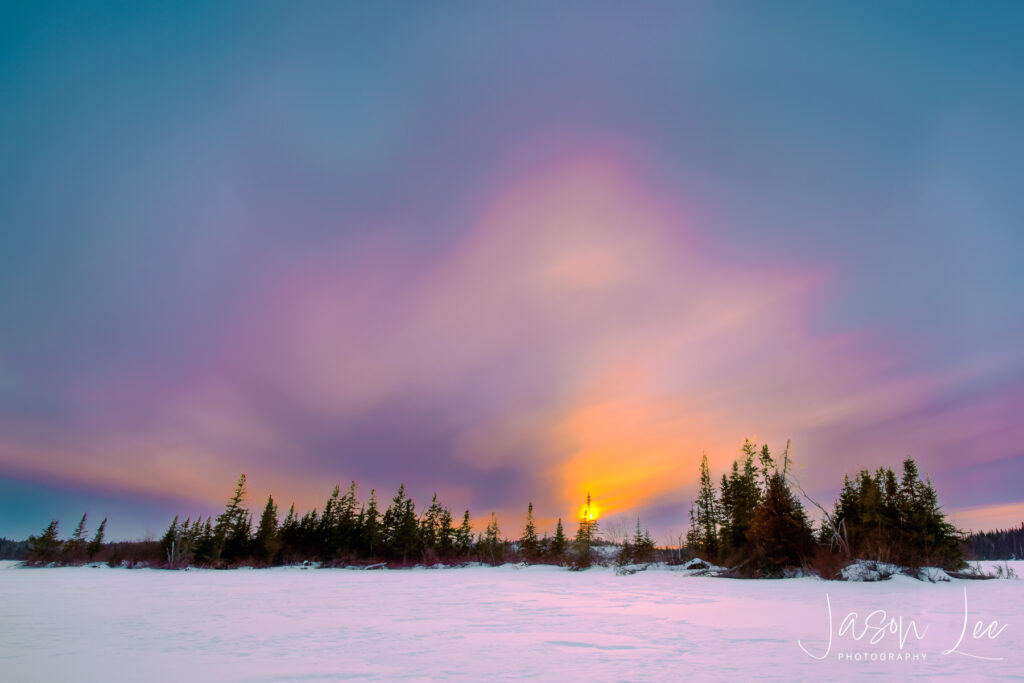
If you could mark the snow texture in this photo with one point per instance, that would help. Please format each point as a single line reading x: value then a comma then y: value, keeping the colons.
x: 483, y: 623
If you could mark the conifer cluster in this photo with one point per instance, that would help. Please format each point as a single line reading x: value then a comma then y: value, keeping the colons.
x: 753, y: 521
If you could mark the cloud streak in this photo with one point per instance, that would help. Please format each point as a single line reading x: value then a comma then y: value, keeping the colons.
x: 578, y: 336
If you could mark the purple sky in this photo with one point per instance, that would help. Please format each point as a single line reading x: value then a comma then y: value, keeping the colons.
x: 505, y: 255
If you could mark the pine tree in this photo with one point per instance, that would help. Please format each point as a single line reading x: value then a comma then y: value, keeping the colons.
x: 401, y: 526
x: 96, y: 544
x: 528, y: 542
x: 703, y: 535
x: 168, y: 544
x: 233, y: 527
x: 207, y: 549
x: 559, y: 544
x: 308, y: 532
x: 45, y: 547
x: 328, y: 525
x: 74, y: 548
x: 289, y: 535
x: 585, y: 536
x: 430, y: 527
x: 740, y: 495
x: 464, y: 536
x: 446, y: 535
x: 927, y: 538
x: 767, y: 466
x: 492, y: 545
x: 346, y: 536
x: 780, y: 534
x: 371, y: 527
x: 642, y: 546
x: 267, y: 543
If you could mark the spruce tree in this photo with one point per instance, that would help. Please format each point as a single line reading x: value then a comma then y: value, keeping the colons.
x: 740, y: 495
x: 430, y: 527
x: 585, y: 536
x: 401, y: 526
x: 328, y: 526
x: 464, y: 536
x: 168, y: 544
x: 74, y: 548
x: 370, y: 532
x: 207, y: 549
x: 767, y: 466
x: 267, y: 543
x: 96, y: 544
x: 641, y: 548
x: 347, y: 532
x: 446, y: 535
x: 528, y: 542
x: 289, y: 535
x: 492, y: 545
x: 780, y: 534
x: 45, y: 547
x: 704, y: 515
x: 559, y: 544
x: 233, y: 527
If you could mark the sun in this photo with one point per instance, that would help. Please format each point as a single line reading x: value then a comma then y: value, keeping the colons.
x: 589, y: 512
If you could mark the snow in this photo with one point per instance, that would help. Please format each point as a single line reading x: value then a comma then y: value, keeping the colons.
x: 483, y: 623
x: 865, y: 570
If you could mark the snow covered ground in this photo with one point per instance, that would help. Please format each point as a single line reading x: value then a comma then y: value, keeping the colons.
x: 538, y: 623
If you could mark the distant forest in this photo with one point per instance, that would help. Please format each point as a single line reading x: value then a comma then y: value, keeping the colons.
x: 751, y: 522
x: 13, y: 550
x: 1002, y: 544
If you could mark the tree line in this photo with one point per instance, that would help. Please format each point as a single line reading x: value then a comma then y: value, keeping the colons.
x: 345, y: 532
x: 1001, y: 544
x: 754, y: 522
x: 13, y: 550
x: 751, y: 521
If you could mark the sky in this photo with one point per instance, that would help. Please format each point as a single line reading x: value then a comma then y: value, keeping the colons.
x: 505, y: 254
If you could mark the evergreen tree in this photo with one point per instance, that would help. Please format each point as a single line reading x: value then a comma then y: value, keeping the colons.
x: 234, y: 527
x: 642, y: 545
x: 638, y: 549
x: 289, y: 536
x: 309, y: 540
x: 45, y: 547
x: 464, y: 536
x: 371, y: 527
x: 780, y: 534
x: 585, y: 536
x: 430, y: 527
x: 169, y: 541
x: 267, y: 543
x: 767, y: 466
x: 492, y: 546
x: 347, y: 531
x: 74, y: 548
x: 528, y: 543
x: 559, y: 544
x: 740, y: 495
x: 207, y: 548
x: 703, y: 535
x: 927, y: 537
x: 327, y: 534
x: 446, y: 535
x: 401, y: 527
x: 96, y: 544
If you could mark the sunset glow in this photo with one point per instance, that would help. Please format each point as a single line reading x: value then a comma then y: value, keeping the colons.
x: 501, y: 259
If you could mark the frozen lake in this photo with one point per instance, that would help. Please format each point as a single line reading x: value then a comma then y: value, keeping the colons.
x: 538, y: 623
